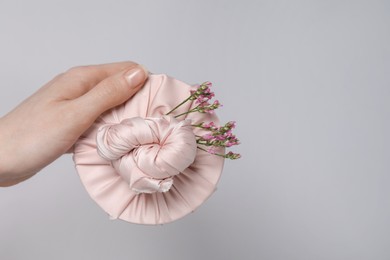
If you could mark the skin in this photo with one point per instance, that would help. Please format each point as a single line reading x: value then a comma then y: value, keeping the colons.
x: 48, y: 123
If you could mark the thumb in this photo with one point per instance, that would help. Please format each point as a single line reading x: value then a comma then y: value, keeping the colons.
x: 112, y: 91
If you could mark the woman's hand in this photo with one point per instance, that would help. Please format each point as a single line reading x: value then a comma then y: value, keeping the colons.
x: 47, y: 124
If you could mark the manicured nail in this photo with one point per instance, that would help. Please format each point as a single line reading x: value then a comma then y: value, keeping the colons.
x: 136, y: 76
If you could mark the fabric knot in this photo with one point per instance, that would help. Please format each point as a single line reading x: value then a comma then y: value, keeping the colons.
x: 148, y: 152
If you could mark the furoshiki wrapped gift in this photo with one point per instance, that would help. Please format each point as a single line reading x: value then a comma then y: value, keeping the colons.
x: 150, y: 160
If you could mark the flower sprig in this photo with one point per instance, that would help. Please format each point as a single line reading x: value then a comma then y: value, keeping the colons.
x: 215, y: 137
x: 218, y: 137
x: 202, y: 96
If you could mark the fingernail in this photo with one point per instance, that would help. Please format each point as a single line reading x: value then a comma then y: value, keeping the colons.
x: 136, y: 76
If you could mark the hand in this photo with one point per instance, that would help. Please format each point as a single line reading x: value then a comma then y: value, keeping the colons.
x: 47, y: 124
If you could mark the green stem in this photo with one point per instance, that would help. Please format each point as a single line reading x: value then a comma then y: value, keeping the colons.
x: 189, y: 111
x: 218, y: 154
x: 178, y: 105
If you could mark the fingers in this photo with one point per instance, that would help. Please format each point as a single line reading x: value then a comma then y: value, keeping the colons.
x: 110, y: 92
x: 79, y: 80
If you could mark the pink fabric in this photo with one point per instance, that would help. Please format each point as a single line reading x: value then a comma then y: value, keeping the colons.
x: 144, y: 167
x: 147, y: 153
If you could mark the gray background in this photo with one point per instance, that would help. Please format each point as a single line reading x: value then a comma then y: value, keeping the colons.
x: 308, y: 83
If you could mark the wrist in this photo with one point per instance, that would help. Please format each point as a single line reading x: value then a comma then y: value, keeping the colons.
x: 8, y: 176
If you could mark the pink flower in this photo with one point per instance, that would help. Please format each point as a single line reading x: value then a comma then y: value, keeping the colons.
x: 208, y: 137
x: 231, y: 124
x: 208, y: 83
x: 220, y: 137
x: 203, y: 95
x: 209, y: 125
x: 233, y: 156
